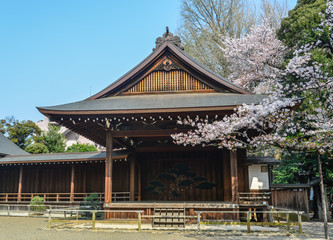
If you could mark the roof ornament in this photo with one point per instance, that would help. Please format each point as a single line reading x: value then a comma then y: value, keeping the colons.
x: 168, y: 36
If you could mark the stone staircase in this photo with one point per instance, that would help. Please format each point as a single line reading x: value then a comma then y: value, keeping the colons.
x: 169, y: 217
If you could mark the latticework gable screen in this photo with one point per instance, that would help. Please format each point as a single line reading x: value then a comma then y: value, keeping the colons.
x: 168, y: 81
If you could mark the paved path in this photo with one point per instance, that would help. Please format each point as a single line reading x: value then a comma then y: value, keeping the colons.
x: 35, y: 228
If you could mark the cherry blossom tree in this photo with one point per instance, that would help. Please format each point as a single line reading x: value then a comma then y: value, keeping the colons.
x: 255, y: 59
x: 276, y: 121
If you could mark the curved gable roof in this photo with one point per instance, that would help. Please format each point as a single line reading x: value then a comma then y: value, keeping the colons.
x: 167, y: 46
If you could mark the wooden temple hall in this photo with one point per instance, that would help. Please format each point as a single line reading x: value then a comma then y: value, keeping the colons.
x: 134, y: 118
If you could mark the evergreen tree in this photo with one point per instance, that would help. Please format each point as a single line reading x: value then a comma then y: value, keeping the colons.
x: 53, y: 139
x: 78, y: 147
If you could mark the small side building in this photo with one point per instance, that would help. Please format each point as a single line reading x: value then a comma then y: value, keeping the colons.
x: 260, y: 172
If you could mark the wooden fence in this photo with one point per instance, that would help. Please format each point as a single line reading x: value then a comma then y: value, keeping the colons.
x: 296, y: 200
x: 75, y: 214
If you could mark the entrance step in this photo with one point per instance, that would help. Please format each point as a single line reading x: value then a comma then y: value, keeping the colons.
x: 169, y: 217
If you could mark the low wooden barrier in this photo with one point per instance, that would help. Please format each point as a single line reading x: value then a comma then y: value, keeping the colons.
x: 248, y: 222
x: 10, y: 209
x: 93, y: 212
x: 72, y: 214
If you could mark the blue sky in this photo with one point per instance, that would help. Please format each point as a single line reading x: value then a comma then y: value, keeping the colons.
x: 55, y: 52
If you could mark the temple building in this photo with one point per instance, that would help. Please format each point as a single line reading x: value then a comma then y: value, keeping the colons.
x: 142, y: 168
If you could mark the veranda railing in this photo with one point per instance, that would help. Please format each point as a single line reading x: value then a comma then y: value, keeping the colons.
x: 60, y: 197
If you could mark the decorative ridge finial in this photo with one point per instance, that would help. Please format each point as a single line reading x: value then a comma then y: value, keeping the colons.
x: 168, y: 36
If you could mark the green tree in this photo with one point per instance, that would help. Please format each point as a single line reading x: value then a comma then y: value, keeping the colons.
x: 303, y: 28
x: 78, y: 147
x: 37, y: 148
x: 52, y: 139
x: 19, y: 132
x: 300, y: 27
x: 301, y: 167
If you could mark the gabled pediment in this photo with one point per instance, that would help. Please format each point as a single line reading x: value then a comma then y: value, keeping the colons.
x: 167, y: 77
x: 169, y: 70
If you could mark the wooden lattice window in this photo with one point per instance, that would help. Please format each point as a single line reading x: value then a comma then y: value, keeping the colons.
x: 168, y: 81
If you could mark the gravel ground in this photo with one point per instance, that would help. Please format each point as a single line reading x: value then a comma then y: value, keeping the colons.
x: 36, y: 228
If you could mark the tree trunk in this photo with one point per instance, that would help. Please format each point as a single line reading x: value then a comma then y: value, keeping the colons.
x: 323, y: 198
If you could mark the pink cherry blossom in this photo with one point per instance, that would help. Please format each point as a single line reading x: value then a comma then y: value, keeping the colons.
x: 254, y: 65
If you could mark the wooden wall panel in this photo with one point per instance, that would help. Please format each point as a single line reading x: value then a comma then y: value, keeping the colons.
x: 121, y: 170
x: 89, y: 177
x: 54, y: 179
x: 57, y: 178
x: 203, y: 163
x: 9, y: 177
x: 94, y: 178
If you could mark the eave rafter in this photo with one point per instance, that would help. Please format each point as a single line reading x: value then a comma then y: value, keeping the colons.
x: 129, y: 130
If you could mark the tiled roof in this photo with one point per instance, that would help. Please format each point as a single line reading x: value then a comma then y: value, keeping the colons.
x: 160, y: 101
x: 7, y: 147
x: 56, y: 157
x: 263, y: 160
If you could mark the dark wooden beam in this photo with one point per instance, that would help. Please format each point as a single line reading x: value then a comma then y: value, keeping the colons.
x: 145, y: 133
x: 121, y: 143
x: 174, y: 148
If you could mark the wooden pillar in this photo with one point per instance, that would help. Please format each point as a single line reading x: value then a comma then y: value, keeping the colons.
x: 139, y: 181
x: 234, y: 177
x: 226, y: 176
x: 270, y: 176
x: 72, y: 184
x: 108, y: 168
x: 132, y: 175
x: 20, y: 185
